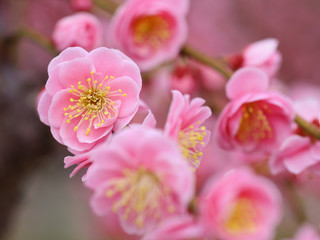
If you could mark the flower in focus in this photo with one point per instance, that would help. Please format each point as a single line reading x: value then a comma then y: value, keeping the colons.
x: 255, y: 119
x: 141, y: 177
x: 80, y: 29
x: 150, y: 32
x: 89, y: 95
x: 177, y: 228
x: 184, y: 124
x: 241, y: 205
x: 262, y: 54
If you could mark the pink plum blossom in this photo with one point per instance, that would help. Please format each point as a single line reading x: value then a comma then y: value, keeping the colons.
x: 240, y: 205
x: 300, y: 151
x: 142, y: 178
x: 80, y: 29
x: 255, y: 120
x: 190, y: 76
x: 184, y: 125
x: 183, y: 79
x: 262, y: 54
x: 89, y: 95
x: 150, y: 32
x: 306, y: 232
x: 182, y: 227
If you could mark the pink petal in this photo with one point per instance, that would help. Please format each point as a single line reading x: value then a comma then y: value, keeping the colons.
x: 246, y: 80
x: 74, y: 71
x: 150, y: 120
x: 56, y: 113
x: 130, y: 102
x: 111, y: 62
x: 258, y: 52
x: 68, y: 135
x: 94, y: 134
x: 67, y: 55
x: 43, y: 107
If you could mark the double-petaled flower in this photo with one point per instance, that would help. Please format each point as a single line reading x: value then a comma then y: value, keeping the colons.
x: 89, y: 95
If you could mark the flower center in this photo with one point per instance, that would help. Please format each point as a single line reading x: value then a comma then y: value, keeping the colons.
x: 254, y: 125
x: 153, y: 30
x: 140, y: 196
x: 92, y: 100
x: 242, y: 218
x: 191, y: 143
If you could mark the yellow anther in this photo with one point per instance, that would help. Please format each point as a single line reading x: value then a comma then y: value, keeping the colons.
x: 70, y: 91
x: 65, y: 109
x: 112, y: 77
x: 68, y: 120
x: 203, y: 128
x: 124, y: 94
x: 71, y: 100
x: 89, y: 79
x: 75, y: 128
x: 92, y: 72
x: 119, y: 90
x: 66, y: 114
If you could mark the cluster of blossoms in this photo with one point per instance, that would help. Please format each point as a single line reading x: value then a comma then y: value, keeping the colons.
x: 175, y: 181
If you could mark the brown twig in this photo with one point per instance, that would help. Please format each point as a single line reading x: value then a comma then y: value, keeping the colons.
x: 213, y: 63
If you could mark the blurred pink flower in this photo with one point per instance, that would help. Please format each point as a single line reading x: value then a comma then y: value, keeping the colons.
x: 241, y: 205
x: 89, y: 95
x: 150, y: 32
x: 183, y: 79
x: 189, y: 76
x: 141, y: 177
x: 80, y: 29
x: 256, y: 119
x: 81, y: 5
x: 300, y: 151
x: 306, y: 232
x: 262, y: 54
x: 182, y: 227
x: 184, y: 124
